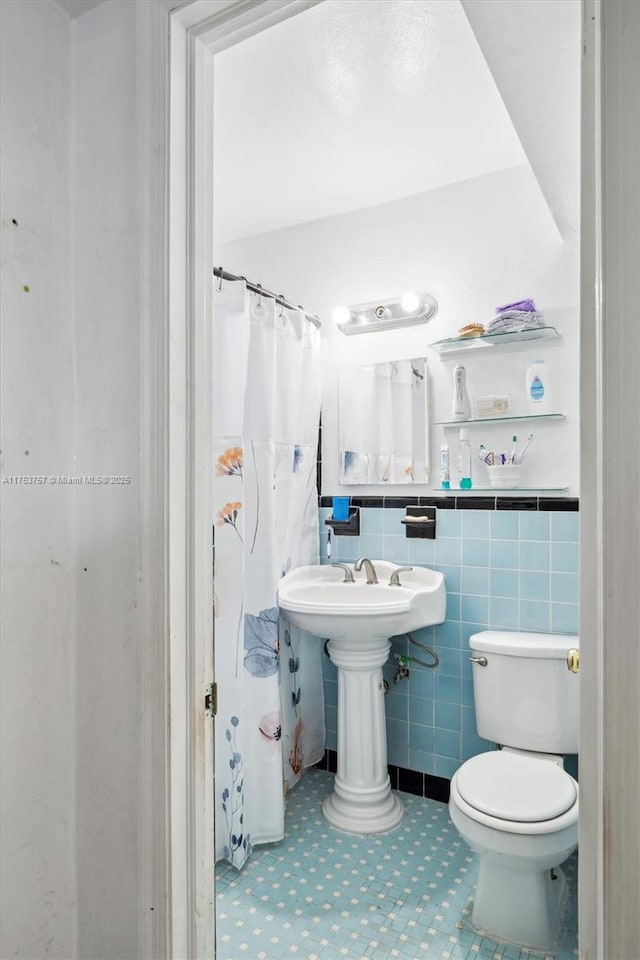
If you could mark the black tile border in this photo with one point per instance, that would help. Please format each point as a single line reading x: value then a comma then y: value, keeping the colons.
x: 516, y: 503
x: 556, y: 504
x: 409, y: 781
x: 364, y: 502
x: 547, y: 504
x: 475, y: 503
x: 442, y: 503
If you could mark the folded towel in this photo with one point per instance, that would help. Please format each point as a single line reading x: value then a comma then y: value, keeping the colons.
x: 514, y: 321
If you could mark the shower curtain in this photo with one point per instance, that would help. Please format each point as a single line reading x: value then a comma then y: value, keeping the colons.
x: 266, y: 409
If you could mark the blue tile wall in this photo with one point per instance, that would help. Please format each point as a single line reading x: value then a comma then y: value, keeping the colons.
x: 503, y: 569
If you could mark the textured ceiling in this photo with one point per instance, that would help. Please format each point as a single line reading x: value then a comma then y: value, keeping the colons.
x: 352, y: 104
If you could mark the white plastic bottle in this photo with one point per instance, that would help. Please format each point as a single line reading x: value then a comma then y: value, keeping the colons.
x: 461, y: 407
x: 464, y: 461
x: 539, y: 398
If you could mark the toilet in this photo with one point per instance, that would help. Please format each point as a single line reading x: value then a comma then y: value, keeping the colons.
x: 517, y: 807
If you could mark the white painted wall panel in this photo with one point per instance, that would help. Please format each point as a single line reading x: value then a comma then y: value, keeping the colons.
x: 38, y: 554
x: 106, y: 283
x: 71, y: 398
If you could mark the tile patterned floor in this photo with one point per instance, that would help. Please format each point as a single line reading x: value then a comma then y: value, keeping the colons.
x: 321, y: 894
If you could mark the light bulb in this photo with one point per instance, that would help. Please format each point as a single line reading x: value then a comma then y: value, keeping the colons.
x: 342, y: 314
x: 410, y: 302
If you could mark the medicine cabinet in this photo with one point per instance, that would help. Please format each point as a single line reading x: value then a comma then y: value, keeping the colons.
x: 383, y: 423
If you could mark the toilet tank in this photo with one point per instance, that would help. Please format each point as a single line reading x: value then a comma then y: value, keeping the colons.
x: 526, y: 696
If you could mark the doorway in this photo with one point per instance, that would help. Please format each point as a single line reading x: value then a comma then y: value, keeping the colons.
x: 211, y: 27
x: 415, y: 170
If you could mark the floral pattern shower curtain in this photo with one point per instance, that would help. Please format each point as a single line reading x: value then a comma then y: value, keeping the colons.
x: 270, y: 720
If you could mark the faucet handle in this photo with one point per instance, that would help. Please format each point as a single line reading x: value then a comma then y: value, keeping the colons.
x: 394, y: 579
x: 348, y: 574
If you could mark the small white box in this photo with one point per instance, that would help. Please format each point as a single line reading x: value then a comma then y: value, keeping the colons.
x: 491, y: 406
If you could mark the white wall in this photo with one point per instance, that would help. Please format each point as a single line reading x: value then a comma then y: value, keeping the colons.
x: 72, y: 636
x: 546, y: 113
x: 38, y: 548
x: 473, y: 245
x: 107, y: 328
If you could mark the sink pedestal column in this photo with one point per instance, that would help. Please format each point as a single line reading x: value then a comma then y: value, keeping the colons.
x: 362, y: 801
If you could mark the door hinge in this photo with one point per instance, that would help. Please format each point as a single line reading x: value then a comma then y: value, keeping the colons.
x: 211, y: 700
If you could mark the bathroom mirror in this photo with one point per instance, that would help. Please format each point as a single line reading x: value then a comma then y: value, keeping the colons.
x: 383, y: 411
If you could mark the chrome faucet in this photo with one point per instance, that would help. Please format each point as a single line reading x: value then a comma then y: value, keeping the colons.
x: 348, y: 576
x: 394, y: 579
x: 372, y: 576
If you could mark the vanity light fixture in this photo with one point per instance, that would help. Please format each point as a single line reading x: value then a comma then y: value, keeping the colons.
x: 386, y: 314
x: 410, y: 302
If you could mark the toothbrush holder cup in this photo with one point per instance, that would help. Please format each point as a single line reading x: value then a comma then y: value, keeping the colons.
x: 505, y: 475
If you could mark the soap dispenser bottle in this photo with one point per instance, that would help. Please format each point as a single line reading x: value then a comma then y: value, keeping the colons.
x: 461, y: 409
x: 464, y: 461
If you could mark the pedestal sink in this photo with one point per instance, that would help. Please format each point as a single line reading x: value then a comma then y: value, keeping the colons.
x: 359, y: 618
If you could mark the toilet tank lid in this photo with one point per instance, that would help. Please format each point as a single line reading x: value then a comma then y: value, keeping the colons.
x: 510, y: 643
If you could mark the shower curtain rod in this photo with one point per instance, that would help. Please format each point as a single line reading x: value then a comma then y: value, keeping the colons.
x: 256, y: 288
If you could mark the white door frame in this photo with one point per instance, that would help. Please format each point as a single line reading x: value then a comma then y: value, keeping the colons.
x: 609, y: 881
x: 197, y: 31
x: 182, y: 376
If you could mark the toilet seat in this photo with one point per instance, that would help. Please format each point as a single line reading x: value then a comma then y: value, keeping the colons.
x: 505, y: 787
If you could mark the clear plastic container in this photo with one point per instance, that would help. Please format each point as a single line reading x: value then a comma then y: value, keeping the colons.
x: 464, y: 461
x: 445, y: 475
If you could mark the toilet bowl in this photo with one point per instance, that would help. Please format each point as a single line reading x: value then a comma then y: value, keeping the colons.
x: 517, y: 807
x: 519, y: 812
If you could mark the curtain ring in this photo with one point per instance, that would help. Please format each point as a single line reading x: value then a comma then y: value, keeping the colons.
x: 220, y: 280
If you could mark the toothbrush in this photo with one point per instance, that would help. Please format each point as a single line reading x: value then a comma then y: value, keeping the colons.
x: 487, y: 456
x: 519, y: 456
x: 329, y: 542
x: 514, y: 441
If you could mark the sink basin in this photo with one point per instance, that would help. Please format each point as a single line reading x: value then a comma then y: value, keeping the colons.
x: 358, y: 618
x: 316, y: 598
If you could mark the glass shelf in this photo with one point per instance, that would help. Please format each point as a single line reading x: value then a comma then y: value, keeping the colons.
x: 512, y: 491
x: 477, y: 420
x: 456, y: 344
